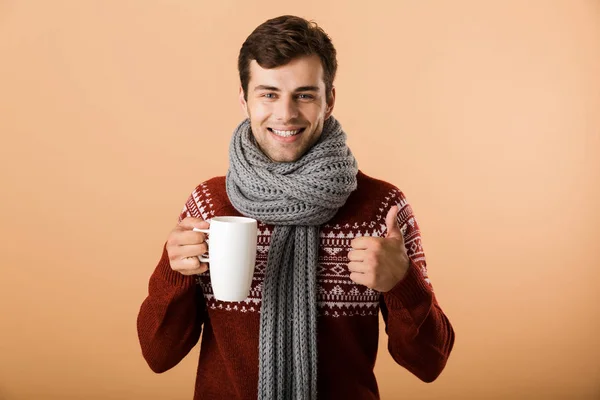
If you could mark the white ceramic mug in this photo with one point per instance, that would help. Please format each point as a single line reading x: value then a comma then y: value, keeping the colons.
x: 231, y: 256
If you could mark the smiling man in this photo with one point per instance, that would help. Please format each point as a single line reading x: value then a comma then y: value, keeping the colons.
x: 287, y: 106
x: 335, y: 249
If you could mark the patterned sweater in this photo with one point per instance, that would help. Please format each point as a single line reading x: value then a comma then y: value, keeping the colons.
x: 179, y: 308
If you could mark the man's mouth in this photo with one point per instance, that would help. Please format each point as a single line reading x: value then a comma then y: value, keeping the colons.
x: 286, y: 133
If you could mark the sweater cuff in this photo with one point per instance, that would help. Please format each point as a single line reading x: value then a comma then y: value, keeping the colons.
x: 411, y: 291
x: 173, y: 278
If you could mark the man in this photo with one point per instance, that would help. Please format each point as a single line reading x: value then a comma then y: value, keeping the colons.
x: 332, y: 249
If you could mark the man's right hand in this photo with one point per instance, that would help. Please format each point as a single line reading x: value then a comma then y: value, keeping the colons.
x: 185, y: 245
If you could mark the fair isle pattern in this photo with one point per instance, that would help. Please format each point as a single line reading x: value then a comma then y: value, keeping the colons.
x: 199, y: 204
x: 337, y: 295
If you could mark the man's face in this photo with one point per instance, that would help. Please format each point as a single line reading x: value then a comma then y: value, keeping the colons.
x: 287, y: 107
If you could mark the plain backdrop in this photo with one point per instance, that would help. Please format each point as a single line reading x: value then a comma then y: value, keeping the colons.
x: 485, y: 113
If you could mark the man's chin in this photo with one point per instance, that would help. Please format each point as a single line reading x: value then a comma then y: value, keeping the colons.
x: 284, y: 158
x: 278, y: 155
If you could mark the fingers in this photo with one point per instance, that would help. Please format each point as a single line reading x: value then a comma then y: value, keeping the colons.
x: 367, y: 243
x: 360, y: 243
x: 359, y: 267
x: 361, y: 279
x: 359, y: 261
x: 183, y: 234
x: 186, y: 256
x: 190, y: 266
x: 190, y: 223
x: 357, y: 255
x: 185, y: 245
x: 185, y: 238
x: 192, y: 250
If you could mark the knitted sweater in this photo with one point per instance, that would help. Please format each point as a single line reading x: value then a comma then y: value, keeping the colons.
x: 179, y: 308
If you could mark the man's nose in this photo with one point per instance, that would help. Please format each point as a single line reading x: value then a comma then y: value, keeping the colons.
x: 287, y: 109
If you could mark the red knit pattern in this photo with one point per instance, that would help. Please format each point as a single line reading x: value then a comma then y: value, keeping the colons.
x: 178, y: 308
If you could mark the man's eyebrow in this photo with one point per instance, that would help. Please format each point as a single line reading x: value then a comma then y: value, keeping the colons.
x: 307, y: 89
x: 266, y: 87
x: 299, y: 89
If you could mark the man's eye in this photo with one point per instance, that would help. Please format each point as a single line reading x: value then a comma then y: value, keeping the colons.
x: 269, y: 95
x: 305, y: 96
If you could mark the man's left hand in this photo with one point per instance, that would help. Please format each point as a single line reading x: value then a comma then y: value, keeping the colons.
x: 379, y: 263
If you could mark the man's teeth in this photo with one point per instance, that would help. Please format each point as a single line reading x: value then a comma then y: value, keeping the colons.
x: 286, y: 133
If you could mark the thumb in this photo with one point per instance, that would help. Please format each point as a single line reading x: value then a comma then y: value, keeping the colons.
x: 393, y: 230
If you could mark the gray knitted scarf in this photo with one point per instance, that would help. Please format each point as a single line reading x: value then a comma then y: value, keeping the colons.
x: 296, y: 198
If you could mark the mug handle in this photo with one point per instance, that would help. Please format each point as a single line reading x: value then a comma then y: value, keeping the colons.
x: 202, y: 259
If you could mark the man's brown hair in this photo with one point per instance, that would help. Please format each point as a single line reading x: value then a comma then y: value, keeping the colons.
x: 278, y: 41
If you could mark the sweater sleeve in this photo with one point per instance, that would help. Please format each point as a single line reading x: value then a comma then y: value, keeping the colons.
x: 170, y: 319
x: 420, y: 336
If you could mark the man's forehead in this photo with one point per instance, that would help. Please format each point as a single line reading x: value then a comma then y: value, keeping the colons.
x: 300, y: 72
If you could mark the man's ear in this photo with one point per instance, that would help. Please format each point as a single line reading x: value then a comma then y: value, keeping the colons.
x: 330, y: 103
x: 243, y: 102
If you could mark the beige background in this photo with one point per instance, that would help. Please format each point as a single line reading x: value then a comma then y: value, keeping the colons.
x: 486, y: 114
